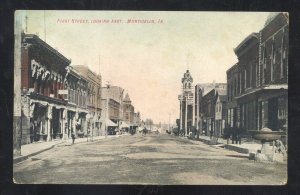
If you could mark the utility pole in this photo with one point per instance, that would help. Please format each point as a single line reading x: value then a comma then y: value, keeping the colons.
x: 107, y: 117
x: 17, y: 125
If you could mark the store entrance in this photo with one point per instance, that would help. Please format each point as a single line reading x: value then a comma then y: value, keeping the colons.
x: 56, y: 123
x: 273, y: 114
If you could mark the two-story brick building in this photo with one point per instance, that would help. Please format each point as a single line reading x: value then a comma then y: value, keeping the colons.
x: 76, y: 89
x: 94, y: 98
x: 257, y: 84
x: 43, y: 71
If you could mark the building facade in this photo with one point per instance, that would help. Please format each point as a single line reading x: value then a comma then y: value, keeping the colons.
x: 261, y: 90
x: 112, y: 101
x: 93, y: 100
x: 110, y: 117
x: 220, y: 113
x: 137, y: 119
x: 76, y: 95
x: 233, y: 90
x: 186, y: 99
x: 43, y: 71
x: 128, y: 110
x: 202, y: 89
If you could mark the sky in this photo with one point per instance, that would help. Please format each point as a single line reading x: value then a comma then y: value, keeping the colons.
x: 148, y: 59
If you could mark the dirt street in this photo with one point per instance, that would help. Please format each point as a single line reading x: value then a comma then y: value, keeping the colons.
x: 152, y: 159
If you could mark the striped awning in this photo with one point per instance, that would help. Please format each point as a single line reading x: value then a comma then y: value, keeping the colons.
x: 109, y: 123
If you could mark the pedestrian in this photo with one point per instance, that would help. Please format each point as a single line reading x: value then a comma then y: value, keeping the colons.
x: 31, y: 132
x: 73, y: 136
x: 211, y: 134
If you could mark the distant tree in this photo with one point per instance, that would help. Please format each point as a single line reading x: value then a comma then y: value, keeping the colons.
x: 149, y: 122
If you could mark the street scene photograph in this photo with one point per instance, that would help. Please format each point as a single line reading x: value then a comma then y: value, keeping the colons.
x: 150, y: 97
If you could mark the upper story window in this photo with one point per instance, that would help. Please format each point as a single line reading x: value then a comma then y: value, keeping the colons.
x: 245, y: 79
x: 273, y: 59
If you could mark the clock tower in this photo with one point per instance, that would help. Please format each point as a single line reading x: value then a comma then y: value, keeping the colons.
x: 186, y: 103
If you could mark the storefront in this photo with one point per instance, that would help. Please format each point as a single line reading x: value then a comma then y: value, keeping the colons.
x: 71, y: 122
x: 264, y: 108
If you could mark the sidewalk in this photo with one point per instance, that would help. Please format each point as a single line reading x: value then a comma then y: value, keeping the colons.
x: 35, y: 148
x: 244, y: 147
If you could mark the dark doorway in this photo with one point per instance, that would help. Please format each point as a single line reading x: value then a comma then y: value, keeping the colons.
x: 55, y: 123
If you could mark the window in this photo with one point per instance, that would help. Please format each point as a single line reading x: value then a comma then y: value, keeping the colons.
x: 256, y: 74
x: 235, y: 86
x: 282, y: 55
x: 240, y: 85
x: 228, y: 91
x: 264, y: 66
x: 245, y: 79
x: 273, y: 58
x: 250, y: 80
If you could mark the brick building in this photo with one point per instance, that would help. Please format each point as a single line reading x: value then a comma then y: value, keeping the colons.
x: 76, y: 95
x: 258, y: 82
x: 233, y: 90
x: 128, y: 111
x: 43, y: 71
x: 94, y: 99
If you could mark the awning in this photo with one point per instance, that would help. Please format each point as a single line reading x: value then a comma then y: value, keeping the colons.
x: 71, y: 109
x: 82, y: 110
x: 124, y: 125
x: 59, y: 106
x: 43, y: 103
x: 109, y: 123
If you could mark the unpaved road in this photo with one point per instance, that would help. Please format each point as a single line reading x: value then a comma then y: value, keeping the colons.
x: 153, y: 159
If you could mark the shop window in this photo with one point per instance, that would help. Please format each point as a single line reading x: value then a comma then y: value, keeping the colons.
x: 282, y: 113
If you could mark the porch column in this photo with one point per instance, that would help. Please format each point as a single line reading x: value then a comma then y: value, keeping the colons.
x: 49, y: 118
x: 63, y: 121
x: 193, y: 112
x: 180, y: 116
x: 185, y: 116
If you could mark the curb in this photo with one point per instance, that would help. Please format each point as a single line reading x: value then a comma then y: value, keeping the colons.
x: 237, y: 149
x: 22, y: 158
x: 226, y: 146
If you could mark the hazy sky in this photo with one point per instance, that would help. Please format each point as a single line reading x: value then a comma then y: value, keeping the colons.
x: 148, y: 60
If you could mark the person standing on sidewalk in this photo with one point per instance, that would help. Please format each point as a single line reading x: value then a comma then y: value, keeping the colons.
x: 73, y: 137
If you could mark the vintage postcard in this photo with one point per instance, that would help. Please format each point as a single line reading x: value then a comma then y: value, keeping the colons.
x: 150, y: 97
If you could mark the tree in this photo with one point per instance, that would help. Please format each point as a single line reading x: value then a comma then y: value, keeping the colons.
x: 149, y: 122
